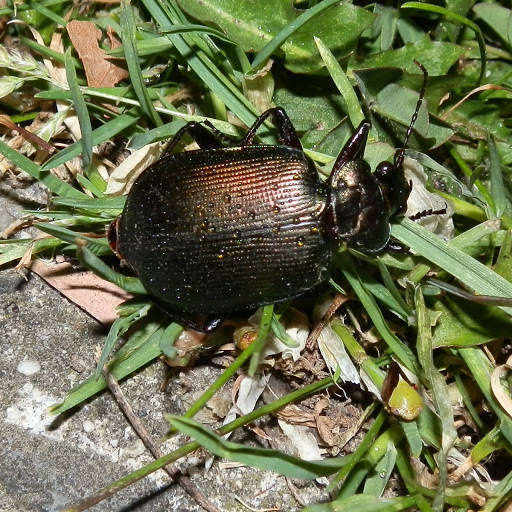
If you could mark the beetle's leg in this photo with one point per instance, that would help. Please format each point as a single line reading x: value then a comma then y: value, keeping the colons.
x: 204, y: 138
x: 221, y: 137
x: 352, y: 150
x: 287, y: 134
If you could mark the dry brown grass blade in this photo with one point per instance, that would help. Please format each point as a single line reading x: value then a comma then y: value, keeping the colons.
x: 31, y: 137
x: 485, y: 87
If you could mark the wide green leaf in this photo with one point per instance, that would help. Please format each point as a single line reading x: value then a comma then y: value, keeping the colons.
x: 253, y: 24
x: 437, y: 57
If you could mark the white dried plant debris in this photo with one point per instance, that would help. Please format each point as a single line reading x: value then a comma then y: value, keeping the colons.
x: 335, y: 356
x: 249, y: 393
x: 259, y: 87
x: 302, y: 439
x: 47, y: 129
x: 296, y: 326
x: 467, y: 469
x: 124, y: 175
x: 304, y: 443
x: 421, y: 200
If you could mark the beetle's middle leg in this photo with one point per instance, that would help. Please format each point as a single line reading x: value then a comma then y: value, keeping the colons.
x: 287, y: 134
x: 204, y: 138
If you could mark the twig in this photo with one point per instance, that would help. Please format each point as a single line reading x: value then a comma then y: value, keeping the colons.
x: 140, y: 429
x: 337, y: 301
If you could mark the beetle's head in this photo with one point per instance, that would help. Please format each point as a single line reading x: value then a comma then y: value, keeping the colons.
x: 112, y: 237
x: 357, y: 210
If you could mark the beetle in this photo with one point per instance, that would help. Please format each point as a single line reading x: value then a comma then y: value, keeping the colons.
x: 223, y: 229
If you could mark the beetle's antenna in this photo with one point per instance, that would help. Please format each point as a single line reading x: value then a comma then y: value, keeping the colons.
x: 400, y: 154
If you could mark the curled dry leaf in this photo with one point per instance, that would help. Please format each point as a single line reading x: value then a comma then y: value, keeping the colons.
x: 501, y: 394
x: 99, y: 71
x: 124, y: 175
x: 293, y: 414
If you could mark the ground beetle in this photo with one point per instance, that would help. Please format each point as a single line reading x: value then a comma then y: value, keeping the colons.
x: 223, y: 229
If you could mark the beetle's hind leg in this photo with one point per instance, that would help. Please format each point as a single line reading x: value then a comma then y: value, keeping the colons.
x: 204, y: 138
x: 287, y: 134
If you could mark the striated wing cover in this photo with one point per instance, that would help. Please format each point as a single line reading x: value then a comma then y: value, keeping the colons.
x: 224, y: 230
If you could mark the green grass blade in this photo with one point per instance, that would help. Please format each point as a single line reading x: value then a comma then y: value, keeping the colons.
x: 117, y: 329
x: 481, y: 279
x: 364, y: 503
x: 400, y: 349
x: 17, y: 248
x: 440, y: 394
x: 97, y: 245
x: 59, y: 20
x: 496, y: 176
x: 56, y: 185
x: 481, y: 369
x: 262, y: 458
x: 205, y: 69
x: 99, y: 135
x: 48, y: 52
x: 87, y: 203
x: 81, y: 112
x: 128, y: 36
x: 342, y: 82
x: 130, y: 284
x: 147, y: 352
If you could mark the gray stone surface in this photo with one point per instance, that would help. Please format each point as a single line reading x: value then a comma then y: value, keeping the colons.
x: 47, y: 346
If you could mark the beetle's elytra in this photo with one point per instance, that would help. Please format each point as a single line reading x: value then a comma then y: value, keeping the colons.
x: 223, y: 229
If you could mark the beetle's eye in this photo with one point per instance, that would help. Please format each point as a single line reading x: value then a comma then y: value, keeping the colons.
x: 112, y: 235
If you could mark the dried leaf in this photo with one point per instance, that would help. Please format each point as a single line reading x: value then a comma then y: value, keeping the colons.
x: 99, y: 71
x: 91, y: 293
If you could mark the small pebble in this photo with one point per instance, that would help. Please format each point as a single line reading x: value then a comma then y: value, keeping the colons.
x: 88, y: 426
x: 28, y: 367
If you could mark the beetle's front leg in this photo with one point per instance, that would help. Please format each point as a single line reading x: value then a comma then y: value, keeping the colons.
x: 204, y: 138
x: 287, y: 134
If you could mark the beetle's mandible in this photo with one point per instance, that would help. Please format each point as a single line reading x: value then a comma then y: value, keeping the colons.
x: 223, y: 229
